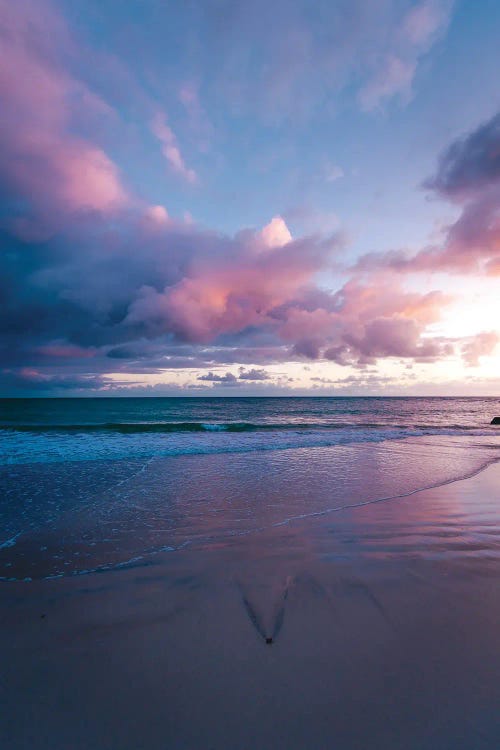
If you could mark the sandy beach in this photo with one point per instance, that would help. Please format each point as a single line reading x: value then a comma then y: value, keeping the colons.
x: 384, y: 621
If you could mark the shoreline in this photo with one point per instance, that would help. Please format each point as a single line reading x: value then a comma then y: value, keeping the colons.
x: 145, y: 557
x: 384, y: 625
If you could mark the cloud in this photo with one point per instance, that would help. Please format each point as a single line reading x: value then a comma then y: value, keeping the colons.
x: 333, y: 173
x: 253, y: 374
x: 95, y: 282
x: 157, y: 215
x: 394, y: 77
x: 470, y: 164
x: 285, y: 59
x: 364, y: 322
x: 62, y: 350
x: 481, y: 345
x: 44, y: 164
x: 468, y: 175
x: 170, y: 149
x: 193, y: 298
x: 276, y: 233
x: 31, y: 380
x: 389, y: 337
x: 117, y: 284
x: 230, y: 285
x: 394, y: 68
x: 424, y: 21
x: 228, y: 379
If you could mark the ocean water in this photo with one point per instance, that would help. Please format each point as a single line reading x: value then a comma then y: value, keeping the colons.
x: 92, y: 484
x: 55, y: 430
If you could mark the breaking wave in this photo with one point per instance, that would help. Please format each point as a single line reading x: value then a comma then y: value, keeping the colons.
x: 169, y: 427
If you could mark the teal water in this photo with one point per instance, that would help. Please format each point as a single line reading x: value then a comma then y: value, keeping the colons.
x: 54, y: 430
x: 93, y: 484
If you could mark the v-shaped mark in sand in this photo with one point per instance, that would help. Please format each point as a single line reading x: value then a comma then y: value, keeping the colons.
x: 269, y: 629
x: 253, y: 616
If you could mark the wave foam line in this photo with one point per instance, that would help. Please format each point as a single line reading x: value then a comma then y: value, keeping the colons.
x: 10, y: 542
x: 388, y: 498
x: 140, y: 560
x: 168, y: 427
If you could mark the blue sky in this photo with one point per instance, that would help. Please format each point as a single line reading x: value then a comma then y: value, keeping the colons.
x: 193, y: 188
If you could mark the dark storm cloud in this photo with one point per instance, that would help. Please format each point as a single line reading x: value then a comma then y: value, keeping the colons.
x: 470, y: 164
x: 468, y: 174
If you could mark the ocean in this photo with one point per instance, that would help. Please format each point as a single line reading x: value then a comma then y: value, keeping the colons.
x: 75, y: 429
x: 96, y: 483
x: 236, y: 572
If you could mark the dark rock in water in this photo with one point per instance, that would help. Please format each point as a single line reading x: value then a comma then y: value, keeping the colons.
x: 269, y: 641
x: 495, y: 420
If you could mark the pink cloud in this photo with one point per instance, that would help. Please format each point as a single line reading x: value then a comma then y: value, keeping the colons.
x: 62, y: 350
x: 425, y: 20
x: 468, y: 175
x: 245, y: 288
x: 157, y: 215
x: 363, y: 322
x: 171, y: 150
x: 481, y: 345
x: 228, y: 293
x: 58, y: 172
x: 31, y: 374
x: 472, y: 243
x: 192, y: 298
x: 393, y: 77
x: 276, y: 233
x: 394, y: 68
x: 133, y: 288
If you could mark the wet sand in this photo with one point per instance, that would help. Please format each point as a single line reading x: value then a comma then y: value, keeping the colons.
x: 385, y: 622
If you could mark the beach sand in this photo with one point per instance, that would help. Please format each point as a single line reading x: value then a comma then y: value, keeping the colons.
x: 385, y: 622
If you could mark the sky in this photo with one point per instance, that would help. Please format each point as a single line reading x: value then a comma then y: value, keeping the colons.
x: 218, y: 197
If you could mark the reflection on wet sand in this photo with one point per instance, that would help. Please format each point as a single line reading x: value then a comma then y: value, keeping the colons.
x: 383, y: 620
x: 77, y: 518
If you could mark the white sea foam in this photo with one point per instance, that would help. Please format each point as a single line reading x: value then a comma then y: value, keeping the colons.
x: 89, y: 485
x: 53, y: 447
x: 10, y: 542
